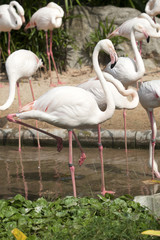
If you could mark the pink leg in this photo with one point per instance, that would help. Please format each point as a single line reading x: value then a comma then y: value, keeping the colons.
x: 72, y: 168
x: 103, y: 190
x: 51, y: 54
x: 20, y: 106
x: 38, y: 141
x: 125, y: 137
x: 48, y: 55
x: 9, y: 40
x: 83, y: 155
x: 23, y: 176
x: 153, y: 142
x: 10, y: 118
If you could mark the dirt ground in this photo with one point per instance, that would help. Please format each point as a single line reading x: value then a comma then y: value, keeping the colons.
x: 136, y: 119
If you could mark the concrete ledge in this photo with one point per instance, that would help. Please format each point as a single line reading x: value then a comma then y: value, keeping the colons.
x: 88, y: 138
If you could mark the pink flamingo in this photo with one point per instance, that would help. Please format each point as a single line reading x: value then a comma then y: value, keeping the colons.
x: 11, y: 17
x: 72, y: 107
x: 152, y: 8
x: 149, y: 96
x: 48, y: 18
x: 125, y: 28
x: 127, y: 70
x: 21, y: 63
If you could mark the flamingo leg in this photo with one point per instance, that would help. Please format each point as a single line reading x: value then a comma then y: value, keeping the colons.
x: 20, y: 106
x: 100, y: 146
x: 72, y: 168
x: 38, y: 141
x: 125, y: 138
x: 153, y: 141
x: 10, y: 118
x: 9, y: 40
x: 51, y: 54
x: 48, y: 55
x: 83, y: 155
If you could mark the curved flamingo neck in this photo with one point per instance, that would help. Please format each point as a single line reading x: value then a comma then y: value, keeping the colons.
x: 8, y: 103
x: 139, y: 61
x: 18, y: 21
x: 109, y: 99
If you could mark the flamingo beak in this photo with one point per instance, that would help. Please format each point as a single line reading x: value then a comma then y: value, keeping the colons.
x: 114, y: 60
x: 148, y: 39
x: 23, y: 19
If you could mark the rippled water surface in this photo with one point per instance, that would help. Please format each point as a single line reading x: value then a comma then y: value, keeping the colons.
x: 35, y: 173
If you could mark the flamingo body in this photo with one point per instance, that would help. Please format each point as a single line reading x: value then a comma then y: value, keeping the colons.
x: 10, y: 18
x: 21, y: 63
x: 125, y: 28
x: 149, y: 96
x: 152, y: 7
x: 47, y: 18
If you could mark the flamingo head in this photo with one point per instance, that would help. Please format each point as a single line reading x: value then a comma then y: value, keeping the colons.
x: 140, y: 28
x: 107, y: 46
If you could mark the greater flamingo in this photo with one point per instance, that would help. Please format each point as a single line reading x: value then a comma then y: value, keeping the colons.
x: 128, y: 70
x: 21, y: 63
x: 48, y: 18
x: 149, y: 96
x: 11, y: 17
x: 125, y: 28
x: 72, y: 107
x: 152, y: 8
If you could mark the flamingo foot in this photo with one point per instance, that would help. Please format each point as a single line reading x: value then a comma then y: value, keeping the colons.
x: 59, y: 82
x: 59, y: 145
x: 82, y: 158
x: 104, y: 192
x: 52, y: 85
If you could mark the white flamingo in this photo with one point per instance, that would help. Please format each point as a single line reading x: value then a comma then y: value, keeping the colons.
x: 11, y: 17
x: 72, y: 107
x: 149, y: 96
x: 125, y: 28
x: 152, y: 8
x: 48, y: 18
x: 21, y: 63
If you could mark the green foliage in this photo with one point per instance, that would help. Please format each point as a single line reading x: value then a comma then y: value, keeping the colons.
x: 76, y: 218
x: 103, y: 30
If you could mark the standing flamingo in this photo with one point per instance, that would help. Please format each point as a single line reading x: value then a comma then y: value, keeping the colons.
x: 152, y: 8
x: 128, y: 70
x: 149, y: 96
x: 11, y: 17
x: 21, y: 63
x: 48, y: 18
x: 125, y: 28
x: 72, y: 107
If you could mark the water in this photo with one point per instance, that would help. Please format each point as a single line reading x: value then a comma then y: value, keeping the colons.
x: 35, y: 173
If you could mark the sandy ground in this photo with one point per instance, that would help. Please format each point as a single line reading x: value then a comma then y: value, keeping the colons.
x: 136, y: 119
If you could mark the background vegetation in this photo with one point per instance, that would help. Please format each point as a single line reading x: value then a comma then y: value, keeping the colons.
x: 35, y: 40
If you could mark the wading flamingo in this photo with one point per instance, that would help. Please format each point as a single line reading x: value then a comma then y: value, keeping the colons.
x: 11, y: 17
x: 72, y: 107
x: 48, y: 18
x: 152, y: 8
x: 149, y: 96
x: 125, y: 28
x: 21, y: 63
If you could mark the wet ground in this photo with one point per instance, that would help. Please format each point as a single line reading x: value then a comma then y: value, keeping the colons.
x: 35, y: 173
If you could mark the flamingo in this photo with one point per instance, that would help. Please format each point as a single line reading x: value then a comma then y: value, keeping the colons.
x: 125, y: 28
x: 48, y: 18
x: 152, y: 8
x: 11, y: 17
x: 21, y: 63
x: 128, y: 70
x: 149, y: 96
x: 71, y: 107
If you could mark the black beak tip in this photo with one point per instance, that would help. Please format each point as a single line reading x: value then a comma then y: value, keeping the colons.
x: 148, y: 39
x: 113, y: 64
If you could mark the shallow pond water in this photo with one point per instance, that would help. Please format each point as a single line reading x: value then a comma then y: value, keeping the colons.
x: 35, y: 173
